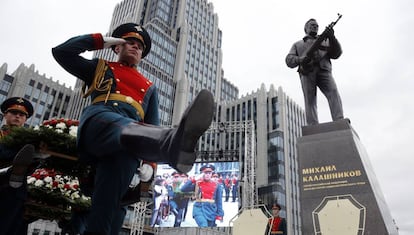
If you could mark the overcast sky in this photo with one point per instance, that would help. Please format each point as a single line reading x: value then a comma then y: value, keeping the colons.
x: 374, y: 75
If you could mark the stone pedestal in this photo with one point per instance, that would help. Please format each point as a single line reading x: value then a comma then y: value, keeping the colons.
x: 340, y: 194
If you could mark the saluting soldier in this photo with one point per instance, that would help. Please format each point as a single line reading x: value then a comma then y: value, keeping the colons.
x: 114, y: 131
x: 14, y: 164
x: 208, y: 206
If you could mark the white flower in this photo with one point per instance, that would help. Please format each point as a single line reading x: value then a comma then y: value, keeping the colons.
x: 48, y: 179
x: 73, y: 131
x: 74, y: 195
x: 39, y: 183
x: 36, y: 128
x: 59, y: 130
x: 31, y: 180
x: 61, y: 125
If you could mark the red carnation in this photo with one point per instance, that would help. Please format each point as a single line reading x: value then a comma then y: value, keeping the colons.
x: 69, y: 123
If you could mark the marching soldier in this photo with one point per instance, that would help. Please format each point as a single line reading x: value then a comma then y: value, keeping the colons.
x: 120, y: 128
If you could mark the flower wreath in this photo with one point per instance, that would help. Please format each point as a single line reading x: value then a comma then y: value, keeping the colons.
x: 57, y: 135
x: 53, y: 187
x: 54, y: 195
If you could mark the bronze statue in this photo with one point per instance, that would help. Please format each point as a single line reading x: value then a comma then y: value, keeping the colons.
x: 313, y: 55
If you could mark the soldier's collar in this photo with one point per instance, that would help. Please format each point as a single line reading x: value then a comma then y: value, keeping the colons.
x: 124, y: 63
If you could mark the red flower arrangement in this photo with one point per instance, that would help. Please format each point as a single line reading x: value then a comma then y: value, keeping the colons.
x: 54, y: 195
x: 62, y: 125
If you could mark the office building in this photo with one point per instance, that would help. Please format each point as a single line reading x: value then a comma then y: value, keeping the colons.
x: 277, y: 122
x: 49, y: 98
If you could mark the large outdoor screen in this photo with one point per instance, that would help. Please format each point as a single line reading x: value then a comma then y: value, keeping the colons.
x: 207, y: 196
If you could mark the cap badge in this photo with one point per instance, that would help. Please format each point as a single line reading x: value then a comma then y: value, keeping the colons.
x: 139, y: 29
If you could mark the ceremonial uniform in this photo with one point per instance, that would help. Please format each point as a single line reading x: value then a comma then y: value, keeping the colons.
x: 234, y: 188
x: 227, y: 186
x: 276, y: 224
x: 112, y: 135
x: 208, y: 206
x: 13, y: 188
x: 100, y: 123
x: 119, y: 94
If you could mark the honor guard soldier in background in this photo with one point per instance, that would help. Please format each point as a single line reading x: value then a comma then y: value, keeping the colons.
x: 227, y: 186
x: 119, y: 128
x: 208, y: 206
x: 14, y: 164
x: 234, y: 187
x: 315, y: 69
x: 276, y: 224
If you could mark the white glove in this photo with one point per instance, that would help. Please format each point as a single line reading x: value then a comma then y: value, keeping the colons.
x: 111, y: 41
x: 145, y: 172
x: 135, y: 181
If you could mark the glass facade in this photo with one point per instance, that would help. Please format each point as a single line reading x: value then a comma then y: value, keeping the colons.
x: 5, y: 86
x: 158, y: 67
x: 277, y: 121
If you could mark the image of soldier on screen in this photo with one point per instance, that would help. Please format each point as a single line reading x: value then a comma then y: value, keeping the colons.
x: 196, y: 199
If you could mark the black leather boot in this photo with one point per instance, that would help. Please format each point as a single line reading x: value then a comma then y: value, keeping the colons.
x: 175, y: 146
x: 21, y: 164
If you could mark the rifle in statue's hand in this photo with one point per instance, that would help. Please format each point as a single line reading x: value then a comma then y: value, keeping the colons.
x: 306, y: 66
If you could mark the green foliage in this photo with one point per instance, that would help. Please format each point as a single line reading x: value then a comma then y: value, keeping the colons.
x: 54, y: 141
